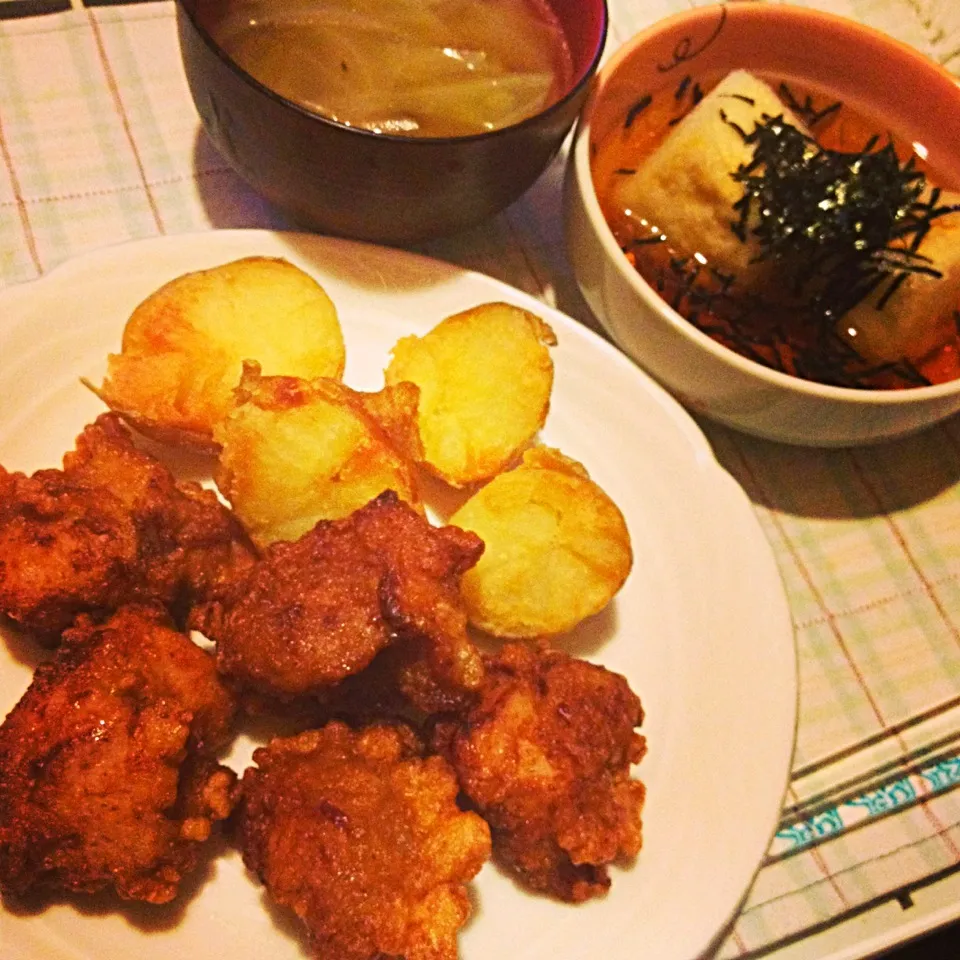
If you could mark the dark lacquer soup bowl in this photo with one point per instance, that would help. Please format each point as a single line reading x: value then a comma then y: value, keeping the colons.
x: 386, y: 188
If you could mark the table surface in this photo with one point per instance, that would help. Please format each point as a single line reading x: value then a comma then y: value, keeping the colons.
x: 100, y: 143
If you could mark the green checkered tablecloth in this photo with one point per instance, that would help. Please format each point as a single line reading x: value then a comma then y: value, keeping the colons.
x: 100, y: 143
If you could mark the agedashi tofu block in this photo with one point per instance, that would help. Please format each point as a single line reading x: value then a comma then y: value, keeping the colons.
x: 556, y: 548
x: 485, y: 377
x: 297, y: 451
x: 685, y: 188
x: 183, y: 347
x: 919, y: 316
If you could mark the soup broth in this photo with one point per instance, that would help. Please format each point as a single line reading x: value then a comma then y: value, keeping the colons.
x: 428, y: 68
x: 782, y: 334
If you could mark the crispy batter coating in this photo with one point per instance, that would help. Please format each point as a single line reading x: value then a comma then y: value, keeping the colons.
x: 362, y: 838
x: 485, y: 376
x: 299, y: 451
x: 545, y: 758
x: 113, y: 526
x: 557, y: 548
x: 107, y: 776
x: 400, y: 685
x: 62, y: 551
x: 184, y: 345
x: 317, y: 610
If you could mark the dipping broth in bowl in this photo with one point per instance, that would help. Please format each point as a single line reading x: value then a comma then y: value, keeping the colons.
x: 442, y: 68
x: 791, y: 225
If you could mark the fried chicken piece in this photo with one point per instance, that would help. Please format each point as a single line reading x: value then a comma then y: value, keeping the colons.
x: 362, y: 838
x: 545, y: 758
x: 107, y: 769
x: 317, y: 610
x: 62, y: 551
x: 112, y: 527
x: 191, y: 545
x: 398, y: 686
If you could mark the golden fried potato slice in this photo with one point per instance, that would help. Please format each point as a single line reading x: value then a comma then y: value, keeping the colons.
x: 485, y: 377
x: 557, y: 548
x: 184, y: 346
x: 296, y: 451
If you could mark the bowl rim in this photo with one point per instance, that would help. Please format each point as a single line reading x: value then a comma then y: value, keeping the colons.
x: 583, y: 79
x: 580, y: 158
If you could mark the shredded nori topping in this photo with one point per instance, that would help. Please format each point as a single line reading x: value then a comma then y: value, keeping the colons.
x: 841, y: 224
x: 773, y: 334
x: 807, y: 111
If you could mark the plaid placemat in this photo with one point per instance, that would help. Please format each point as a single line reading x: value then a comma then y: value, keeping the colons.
x: 868, y: 545
x: 100, y: 143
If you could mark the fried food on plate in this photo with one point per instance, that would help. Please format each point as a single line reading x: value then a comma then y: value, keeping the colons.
x: 485, y: 377
x: 113, y: 526
x: 319, y: 609
x: 191, y: 546
x: 63, y: 551
x: 362, y: 838
x: 545, y: 759
x: 557, y: 548
x: 107, y: 770
x: 295, y: 452
x: 405, y: 683
x: 184, y: 346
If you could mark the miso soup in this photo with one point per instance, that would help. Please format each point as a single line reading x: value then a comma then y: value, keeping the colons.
x: 427, y: 68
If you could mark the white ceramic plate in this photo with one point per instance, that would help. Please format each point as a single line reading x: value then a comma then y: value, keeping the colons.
x: 701, y: 628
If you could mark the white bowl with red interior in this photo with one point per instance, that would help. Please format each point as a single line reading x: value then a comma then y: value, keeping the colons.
x: 841, y: 61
